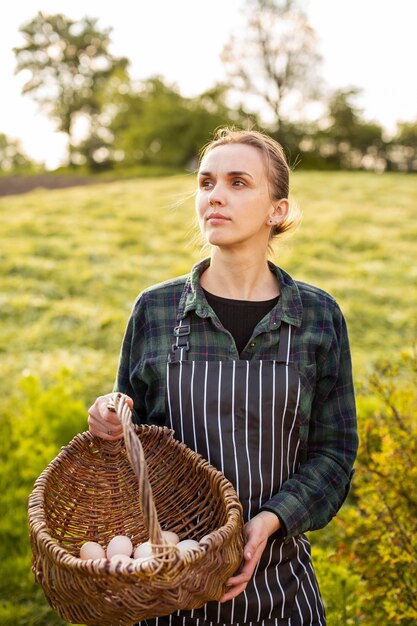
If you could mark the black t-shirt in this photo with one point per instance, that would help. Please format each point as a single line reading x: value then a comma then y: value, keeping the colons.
x: 240, y: 317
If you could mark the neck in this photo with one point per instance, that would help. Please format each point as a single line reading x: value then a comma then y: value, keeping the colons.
x: 239, y: 277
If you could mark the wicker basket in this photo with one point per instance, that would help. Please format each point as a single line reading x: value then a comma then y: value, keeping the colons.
x: 94, y: 490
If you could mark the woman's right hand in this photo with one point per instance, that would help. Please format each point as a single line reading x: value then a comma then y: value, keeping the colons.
x: 103, y: 422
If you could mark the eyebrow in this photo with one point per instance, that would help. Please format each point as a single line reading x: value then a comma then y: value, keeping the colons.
x: 230, y: 174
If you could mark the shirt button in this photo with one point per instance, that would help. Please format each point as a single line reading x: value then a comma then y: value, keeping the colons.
x: 252, y: 344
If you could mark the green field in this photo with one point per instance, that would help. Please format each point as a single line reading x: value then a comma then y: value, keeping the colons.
x: 72, y: 262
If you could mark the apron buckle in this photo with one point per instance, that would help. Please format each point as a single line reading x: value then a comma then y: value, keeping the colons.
x: 180, y: 331
x: 180, y: 346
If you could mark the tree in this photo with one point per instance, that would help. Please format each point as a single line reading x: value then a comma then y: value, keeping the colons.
x: 72, y: 72
x: 348, y: 141
x: 403, y: 147
x: 407, y: 134
x: 12, y: 158
x: 381, y: 529
x: 276, y: 61
x: 157, y: 125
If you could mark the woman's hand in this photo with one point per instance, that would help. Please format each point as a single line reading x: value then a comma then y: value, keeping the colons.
x: 103, y: 422
x: 257, y: 531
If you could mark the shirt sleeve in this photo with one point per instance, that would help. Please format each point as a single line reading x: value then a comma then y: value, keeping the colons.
x: 313, y: 495
x: 123, y: 379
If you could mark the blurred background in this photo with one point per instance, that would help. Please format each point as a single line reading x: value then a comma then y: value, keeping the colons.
x: 334, y: 82
x: 103, y: 110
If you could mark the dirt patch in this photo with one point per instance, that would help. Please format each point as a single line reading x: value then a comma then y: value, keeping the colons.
x: 11, y: 185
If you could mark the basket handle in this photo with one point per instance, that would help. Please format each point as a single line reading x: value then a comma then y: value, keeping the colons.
x: 137, y: 460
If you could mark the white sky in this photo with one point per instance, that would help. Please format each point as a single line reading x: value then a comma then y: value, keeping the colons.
x: 370, y: 44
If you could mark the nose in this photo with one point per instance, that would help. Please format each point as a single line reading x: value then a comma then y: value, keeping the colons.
x: 216, y: 196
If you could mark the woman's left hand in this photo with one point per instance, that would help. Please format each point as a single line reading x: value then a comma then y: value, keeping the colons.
x: 257, y: 531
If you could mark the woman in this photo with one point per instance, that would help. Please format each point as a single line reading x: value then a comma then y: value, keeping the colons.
x: 252, y: 370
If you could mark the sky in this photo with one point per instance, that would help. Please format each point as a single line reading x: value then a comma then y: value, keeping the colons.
x: 369, y: 44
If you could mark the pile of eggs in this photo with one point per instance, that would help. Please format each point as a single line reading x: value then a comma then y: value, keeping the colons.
x: 120, y: 548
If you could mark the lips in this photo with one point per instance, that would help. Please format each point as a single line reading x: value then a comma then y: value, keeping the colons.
x: 217, y: 218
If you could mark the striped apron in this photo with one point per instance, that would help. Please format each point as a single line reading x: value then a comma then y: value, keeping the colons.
x: 242, y: 416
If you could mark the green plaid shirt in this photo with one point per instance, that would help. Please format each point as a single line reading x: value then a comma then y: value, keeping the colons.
x: 319, y: 348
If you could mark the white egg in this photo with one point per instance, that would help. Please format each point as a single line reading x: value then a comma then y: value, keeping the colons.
x: 119, y: 545
x: 170, y: 537
x: 92, y: 550
x: 118, y: 558
x: 187, y: 544
x: 204, y: 538
x: 143, y: 550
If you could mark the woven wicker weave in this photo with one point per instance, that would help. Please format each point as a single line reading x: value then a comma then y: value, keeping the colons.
x: 94, y: 490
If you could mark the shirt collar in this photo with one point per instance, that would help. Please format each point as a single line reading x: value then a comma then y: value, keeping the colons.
x: 288, y: 309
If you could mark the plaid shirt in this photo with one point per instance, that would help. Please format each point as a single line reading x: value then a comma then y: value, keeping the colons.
x: 319, y: 348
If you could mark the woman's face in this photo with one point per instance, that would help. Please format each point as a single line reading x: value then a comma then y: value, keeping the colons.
x: 233, y: 200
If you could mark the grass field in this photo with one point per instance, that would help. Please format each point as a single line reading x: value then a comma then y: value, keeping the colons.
x: 72, y: 262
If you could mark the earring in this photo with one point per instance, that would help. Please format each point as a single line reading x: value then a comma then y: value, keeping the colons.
x: 270, y: 221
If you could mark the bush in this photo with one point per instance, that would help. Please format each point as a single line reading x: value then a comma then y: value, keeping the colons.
x: 37, y: 420
x: 381, y: 529
x: 339, y: 586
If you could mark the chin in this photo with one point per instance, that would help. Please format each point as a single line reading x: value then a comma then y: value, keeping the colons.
x: 219, y: 241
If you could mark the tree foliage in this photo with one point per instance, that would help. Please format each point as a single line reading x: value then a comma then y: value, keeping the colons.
x: 273, y: 70
x: 347, y: 141
x: 381, y: 529
x: 407, y: 134
x: 12, y: 157
x: 276, y: 59
x: 72, y: 73
x: 155, y: 124
x: 402, y: 150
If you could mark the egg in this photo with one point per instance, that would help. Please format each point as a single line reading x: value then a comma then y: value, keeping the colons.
x: 92, y: 550
x: 119, y: 545
x: 143, y: 550
x: 187, y: 544
x: 118, y: 558
x: 170, y: 537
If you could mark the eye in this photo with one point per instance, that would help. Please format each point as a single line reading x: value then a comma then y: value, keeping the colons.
x: 238, y: 182
x: 205, y: 183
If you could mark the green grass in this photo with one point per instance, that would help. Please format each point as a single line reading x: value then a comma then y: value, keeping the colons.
x: 72, y: 262
x: 358, y: 241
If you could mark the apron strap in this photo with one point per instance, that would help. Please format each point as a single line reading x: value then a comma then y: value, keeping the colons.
x: 284, y: 343
x: 181, y: 345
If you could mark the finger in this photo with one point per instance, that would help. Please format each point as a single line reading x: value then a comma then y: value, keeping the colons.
x: 100, y: 411
x: 103, y: 421
x: 108, y: 420
x: 104, y: 430
x: 232, y: 593
x: 238, y: 580
x: 111, y: 397
x: 106, y: 436
x: 253, y: 549
x: 128, y: 400
x: 111, y: 418
x: 244, y: 575
x: 108, y: 412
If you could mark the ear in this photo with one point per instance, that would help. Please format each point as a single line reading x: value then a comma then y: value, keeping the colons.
x: 279, y: 211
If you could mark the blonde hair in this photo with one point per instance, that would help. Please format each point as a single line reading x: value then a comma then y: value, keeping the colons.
x: 277, y: 168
